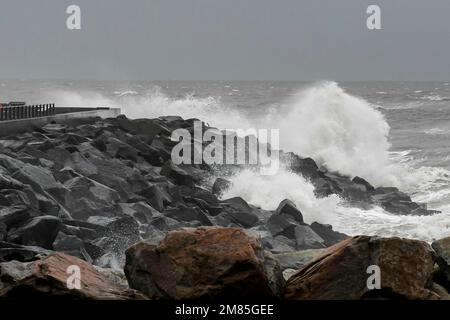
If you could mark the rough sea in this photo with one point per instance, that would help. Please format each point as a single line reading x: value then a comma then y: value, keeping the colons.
x: 390, y: 133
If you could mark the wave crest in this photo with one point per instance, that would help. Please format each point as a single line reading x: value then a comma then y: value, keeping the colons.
x: 345, y: 133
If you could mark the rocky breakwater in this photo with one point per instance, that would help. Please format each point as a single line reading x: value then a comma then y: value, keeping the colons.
x: 85, y: 194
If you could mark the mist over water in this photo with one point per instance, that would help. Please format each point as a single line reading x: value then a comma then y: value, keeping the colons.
x: 391, y: 134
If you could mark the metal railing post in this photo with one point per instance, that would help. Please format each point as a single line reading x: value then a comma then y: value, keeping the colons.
x: 16, y: 111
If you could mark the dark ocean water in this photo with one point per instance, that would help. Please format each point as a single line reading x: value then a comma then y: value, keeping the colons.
x: 391, y: 133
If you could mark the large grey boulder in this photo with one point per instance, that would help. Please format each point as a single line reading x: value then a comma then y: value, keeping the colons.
x: 178, y: 175
x: 240, y: 212
x: 88, y: 197
x: 326, y: 232
x: 39, y: 231
x: 306, y: 238
x: 11, y: 251
x: 11, y: 216
x: 287, y: 207
x: 220, y: 186
x: 188, y: 214
x: 442, y: 249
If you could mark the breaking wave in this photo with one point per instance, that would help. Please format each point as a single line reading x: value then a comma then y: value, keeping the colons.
x: 340, y: 131
x: 268, y: 191
x: 154, y: 103
x: 345, y: 133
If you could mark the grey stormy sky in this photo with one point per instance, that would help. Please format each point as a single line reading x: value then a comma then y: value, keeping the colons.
x: 225, y: 39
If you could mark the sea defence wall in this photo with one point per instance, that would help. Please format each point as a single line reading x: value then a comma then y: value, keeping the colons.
x: 65, y: 115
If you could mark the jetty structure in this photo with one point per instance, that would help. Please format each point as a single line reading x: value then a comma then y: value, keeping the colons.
x: 16, y: 117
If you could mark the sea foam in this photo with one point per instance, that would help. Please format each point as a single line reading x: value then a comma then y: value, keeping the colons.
x: 342, y: 132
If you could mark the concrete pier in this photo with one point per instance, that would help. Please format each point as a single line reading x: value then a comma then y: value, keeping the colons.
x: 62, y: 115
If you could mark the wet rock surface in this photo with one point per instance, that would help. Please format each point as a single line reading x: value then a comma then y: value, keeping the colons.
x: 442, y: 249
x: 204, y: 263
x: 405, y: 269
x: 89, y: 192
x: 48, y: 278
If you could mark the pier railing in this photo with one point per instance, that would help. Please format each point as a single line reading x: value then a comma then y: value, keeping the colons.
x: 19, y: 111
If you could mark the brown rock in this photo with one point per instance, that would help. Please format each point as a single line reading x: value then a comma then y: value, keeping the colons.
x: 47, y: 278
x: 406, y: 268
x: 207, y: 262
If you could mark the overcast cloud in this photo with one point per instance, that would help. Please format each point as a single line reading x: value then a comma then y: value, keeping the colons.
x: 225, y: 39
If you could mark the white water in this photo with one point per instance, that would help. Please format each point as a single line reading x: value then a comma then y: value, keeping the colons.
x: 154, y: 104
x: 268, y: 191
x: 343, y: 132
x: 340, y: 131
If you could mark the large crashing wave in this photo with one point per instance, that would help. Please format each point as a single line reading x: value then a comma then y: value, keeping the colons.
x: 345, y: 133
x: 340, y: 131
